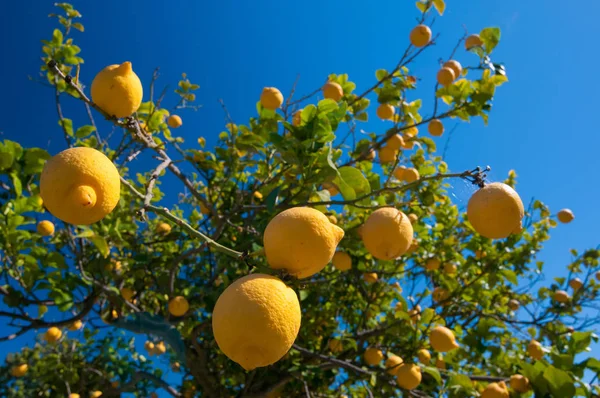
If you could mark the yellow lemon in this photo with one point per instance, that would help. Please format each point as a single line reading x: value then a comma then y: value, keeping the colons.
x: 45, y: 228
x: 342, y: 261
x: 442, y: 339
x: 412, y: 131
x: 95, y: 394
x: 332, y: 90
x: 257, y: 195
x: 565, y: 216
x: 335, y: 345
x: 174, y: 121
x: 393, y: 363
x: 301, y: 240
x: 514, y: 304
x: 297, y: 118
x: 408, y: 144
x: 413, y: 218
x: 445, y: 76
x: 333, y: 190
x: 159, y: 348
x: 373, y: 356
x: 440, y: 294
x: 435, y: 127
x: 432, y: 264
x: 473, y: 41
x: 75, y: 326
x: 495, y: 390
x: 80, y: 186
x: 53, y: 334
x: 127, y: 293
x: 561, y: 296
x: 495, y: 210
x: 399, y: 172
x: 415, y: 314
x: 74, y: 395
x: 535, y: 351
x: 450, y: 268
x: 387, y: 155
x: 370, y: 277
x: 395, y: 142
x: 519, y: 383
x: 256, y: 320
x: 178, y: 306
x: 149, y: 346
x: 176, y: 367
x: 411, y: 175
x: 117, y: 90
x: 271, y: 98
x: 387, y: 233
x: 420, y: 36
x: 332, y: 219
x: 408, y: 376
x: 455, y: 66
x: 424, y: 356
x: 480, y: 254
x: 385, y: 111
x: 19, y: 370
x: 163, y: 228
x: 576, y: 283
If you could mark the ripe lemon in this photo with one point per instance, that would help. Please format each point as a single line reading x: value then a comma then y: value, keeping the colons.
x: 445, y: 76
x: 127, y: 293
x: 411, y: 175
x: 387, y: 233
x: 333, y: 190
x: 271, y: 98
x: 395, y: 142
x: 75, y: 326
x: 332, y: 219
x: 399, y: 172
x: 332, y: 90
x: 535, y: 351
x: 174, y: 121
x: 442, y: 339
x: 95, y: 394
x: 163, y: 228
x: 480, y: 254
x: 420, y: 36
x: 45, y: 228
x: 413, y: 218
x: 297, y: 118
x: 301, y: 240
x: 412, y: 131
x: 149, y: 346
x: 178, y: 306
x: 495, y: 390
x: 373, y: 356
x: 576, y: 283
x: 256, y: 320
x: 514, y: 304
x: 473, y: 41
x: 176, y: 367
x: 424, y: 356
x: 385, y: 111
x: 455, y: 66
x: 370, y: 277
x: 74, y: 395
x: 159, y: 348
x: 342, y: 261
x: 408, y: 376
x: 432, y: 264
x: 387, y: 155
x: 393, y: 363
x: 440, y: 294
x: 495, y: 210
x: 53, y: 334
x: 257, y: 195
x: 519, y: 383
x: 80, y: 186
x: 19, y: 370
x: 450, y: 268
x: 415, y: 314
x: 117, y: 90
x: 561, y: 296
x: 436, y: 127
x: 408, y: 144
x: 335, y: 345
x: 565, y: 216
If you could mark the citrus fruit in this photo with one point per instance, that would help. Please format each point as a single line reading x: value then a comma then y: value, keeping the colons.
x: 413, y: 218
x: 565, y: 216
x: 53, y: 334
x: 163, y: 228
x: 450, y: 268
x: 412, y: 131
x: 387, y: 155
x: 440, y: 363
x: 393, y: 363
x: 332, y: 90
x: 127, y: 293
x: 440, y: 294
x: 178, y: 306
x: 297, y: 118
x: 174, y: 121
x: 74, y: 395
x: 495, y: 210
x: 80, y: 186
x: 75, y: 325
x: 256, y: 320
x: 435, y: 127
x: 432, y: 264
x: 45, y: 228
x: 424, y: 356
x: 442, y: 339
x: 257, y: 195
x: 473, y: 41
x: 271, y: 98
x: 420, y: 36
x: 445, y: 76
x: 514, y: 304
x: 519, y: 383
x: 335, y: 345
x: 455, y: 66
x: 19, y: 370
x: 561, y: 296
x: 399, y: 172
x: 411, y: 175
x: 408, y: 376
x: 342, y: 261
x: 332, y: 219
x: 95, y: 394
x: 387, y: 233
x: 159, y: 348
x: 149, y: 346
x: 301, y: 240
x: 576, y: 283
x: 495, y: 390
x: 535, y: 350
x: 333, y: 190
x: 370, y: 277
x: 395, y: 142
x: 117, y: 90
x: 373, y: 356
x: 385, y: 111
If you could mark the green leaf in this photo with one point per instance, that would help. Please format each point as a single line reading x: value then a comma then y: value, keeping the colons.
x: 327, y: 105
x: 100, y: 244
x: 440, y: 6
x: 352, y: 183
x: 304, y: 294
x: 57, y: 37
x: 84, y: 131
x: 42, y: 309
x: 380, y: 74
x: 67, y: 125
x: 16, y: 183
x: 421, y: 6
x: 490, y: 38
x: 433, y: 372
x: 35, y: 158
x: 77, y: 26
x: 271, y: 199
x: 560, y: 383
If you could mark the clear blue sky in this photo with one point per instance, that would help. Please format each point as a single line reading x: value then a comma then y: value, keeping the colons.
x: 542, y: 123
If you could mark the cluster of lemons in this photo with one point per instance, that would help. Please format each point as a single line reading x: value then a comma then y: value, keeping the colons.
x: 257, y: 318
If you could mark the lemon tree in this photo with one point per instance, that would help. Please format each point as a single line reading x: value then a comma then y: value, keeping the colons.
x: 300, y: 259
